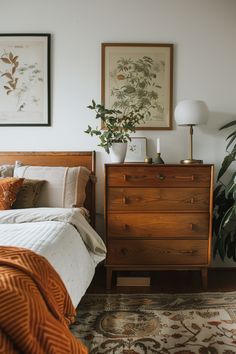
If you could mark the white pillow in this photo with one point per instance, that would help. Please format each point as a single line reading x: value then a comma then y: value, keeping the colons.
x: 65, y: 187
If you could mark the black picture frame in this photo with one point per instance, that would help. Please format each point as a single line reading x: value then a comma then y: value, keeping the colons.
x: 25, y: 83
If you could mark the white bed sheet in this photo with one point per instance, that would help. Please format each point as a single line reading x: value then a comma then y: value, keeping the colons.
x: 60, y: 243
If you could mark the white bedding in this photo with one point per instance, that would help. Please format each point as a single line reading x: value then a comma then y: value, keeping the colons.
x: 63, y: 236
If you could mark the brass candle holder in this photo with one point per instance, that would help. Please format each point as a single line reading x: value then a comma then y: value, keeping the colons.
x: 148, y: 159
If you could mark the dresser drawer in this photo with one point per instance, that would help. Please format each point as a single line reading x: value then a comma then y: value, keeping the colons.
x: 155, y: 199
x: 157, y: 252
x: 157, y: 225
x: 158, y: 176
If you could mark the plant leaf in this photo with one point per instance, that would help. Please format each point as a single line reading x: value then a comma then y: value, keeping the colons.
x: 230, y: 124
x: 11, y: 56
x: 226, y: 163
x: 15, y: 58
x: 231, y: 141
x: 8, y: 75
x: 234, y: 133
x: 231, y: 186
x: 6, y: 60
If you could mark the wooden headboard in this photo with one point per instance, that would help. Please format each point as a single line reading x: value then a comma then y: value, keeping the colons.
x: 59, y: 158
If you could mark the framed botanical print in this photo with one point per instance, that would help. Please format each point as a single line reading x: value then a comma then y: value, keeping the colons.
x: 136, y: 150
x: 24, y: 79
x: 139, y: 75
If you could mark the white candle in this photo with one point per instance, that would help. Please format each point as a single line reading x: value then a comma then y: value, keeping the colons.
x: 158, y: 145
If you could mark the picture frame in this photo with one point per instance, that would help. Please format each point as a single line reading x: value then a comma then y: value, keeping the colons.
x: 136, y: 150
x: 25, y: 79
x: 139, y: 74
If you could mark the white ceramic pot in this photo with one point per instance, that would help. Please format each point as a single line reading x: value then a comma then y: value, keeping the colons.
x: 118, y: 152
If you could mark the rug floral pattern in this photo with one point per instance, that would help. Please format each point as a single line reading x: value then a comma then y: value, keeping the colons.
x: 158, y: 323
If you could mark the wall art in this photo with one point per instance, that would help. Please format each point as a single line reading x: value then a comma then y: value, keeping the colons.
x: 24, y: 79
x: 139, y: 75
x: 136, y: 150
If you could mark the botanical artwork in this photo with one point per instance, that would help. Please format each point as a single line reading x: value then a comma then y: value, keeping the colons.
x: 24, y: 90
x: 202, y: 323
x: 139, y: 76
x: 136, y: 150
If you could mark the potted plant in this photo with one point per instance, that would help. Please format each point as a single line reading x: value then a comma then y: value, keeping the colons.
x: 224, y: 214
x: 115, y: 129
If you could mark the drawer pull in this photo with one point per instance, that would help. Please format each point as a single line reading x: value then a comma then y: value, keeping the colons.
x: 185, y: 178
x: 126, y: 177
x: 124, y: 200
x: 192, y: 201
x: 191, y: 226
x: 190, y: 252
x: 161, y: 177
x: 123, y: 251
x: 126, y: 227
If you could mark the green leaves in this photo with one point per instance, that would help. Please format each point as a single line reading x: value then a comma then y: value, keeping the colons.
x: 117, y: 126
x: 228, y: 125
x: 230, y: 189
x: 226, y: 163
x: 139, y: 84
x: 224, y: 214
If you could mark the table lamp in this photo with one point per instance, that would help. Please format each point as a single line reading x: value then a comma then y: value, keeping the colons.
x: 191, y: 113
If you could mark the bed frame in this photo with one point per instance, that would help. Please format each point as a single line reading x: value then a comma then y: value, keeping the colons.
x: 59, y: 158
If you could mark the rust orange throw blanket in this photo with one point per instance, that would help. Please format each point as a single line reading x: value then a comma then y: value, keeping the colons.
x: 35, y: 308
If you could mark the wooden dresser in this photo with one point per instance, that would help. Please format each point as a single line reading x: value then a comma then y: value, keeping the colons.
x: 158, y: 217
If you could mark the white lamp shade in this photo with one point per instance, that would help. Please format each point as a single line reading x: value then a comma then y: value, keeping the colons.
x: 191, y: 112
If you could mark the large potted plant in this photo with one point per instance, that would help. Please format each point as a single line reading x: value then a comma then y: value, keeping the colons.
x: 224, y: 216
x: 115, y: 130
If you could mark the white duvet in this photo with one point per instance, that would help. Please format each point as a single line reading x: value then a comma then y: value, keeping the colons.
x: 63, y: 236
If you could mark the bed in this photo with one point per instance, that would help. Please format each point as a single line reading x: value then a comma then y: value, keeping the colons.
x: 61, y: 235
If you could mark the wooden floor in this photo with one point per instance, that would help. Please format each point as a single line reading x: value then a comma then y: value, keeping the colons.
x: 171, y: 282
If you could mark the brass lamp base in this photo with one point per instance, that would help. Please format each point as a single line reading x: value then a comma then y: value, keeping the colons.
x: 191, y: 161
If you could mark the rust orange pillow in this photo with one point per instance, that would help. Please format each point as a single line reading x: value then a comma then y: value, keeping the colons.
x: 9, y: 187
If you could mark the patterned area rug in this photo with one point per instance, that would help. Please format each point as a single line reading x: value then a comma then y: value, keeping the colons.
x: 202, y: 323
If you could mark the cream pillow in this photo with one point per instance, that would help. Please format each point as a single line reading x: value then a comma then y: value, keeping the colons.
x: 64, y: 187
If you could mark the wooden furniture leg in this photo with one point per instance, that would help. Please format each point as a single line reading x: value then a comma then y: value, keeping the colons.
x: 204, y: 274
x: 109, y: 278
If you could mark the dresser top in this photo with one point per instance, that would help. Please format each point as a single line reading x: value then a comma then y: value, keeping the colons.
x: 139, y: 164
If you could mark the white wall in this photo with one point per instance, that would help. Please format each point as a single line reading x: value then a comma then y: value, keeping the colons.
x: 204, y: 35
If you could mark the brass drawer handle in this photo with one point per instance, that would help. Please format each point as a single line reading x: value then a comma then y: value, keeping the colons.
x: 161, y: 177
x: 188, y: 178
x: 124, y: 200
x: 190, y: 252
x: 126, y: 177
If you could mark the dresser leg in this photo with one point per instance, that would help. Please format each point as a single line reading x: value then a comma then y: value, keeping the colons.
x: 204, y: 273
x: 109, y: 278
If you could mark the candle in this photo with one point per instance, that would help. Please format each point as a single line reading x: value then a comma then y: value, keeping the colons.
x: 158, y: 145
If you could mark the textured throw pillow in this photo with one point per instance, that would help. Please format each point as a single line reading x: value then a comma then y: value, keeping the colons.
x: 9, y: 187
x: 28, y: 194
x: 6, y: 170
